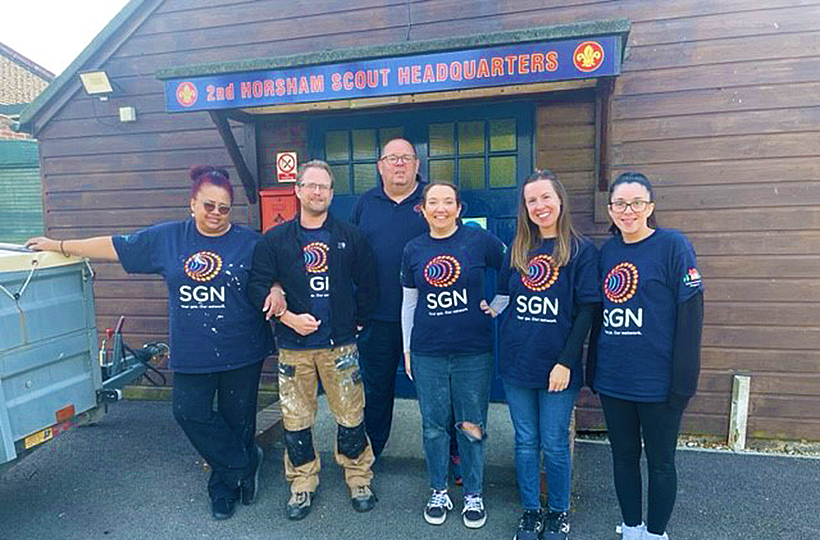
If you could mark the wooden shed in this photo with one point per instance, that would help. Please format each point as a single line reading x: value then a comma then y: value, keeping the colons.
x: 717, y: 101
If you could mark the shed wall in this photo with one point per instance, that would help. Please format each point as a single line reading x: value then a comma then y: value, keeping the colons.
x: 719, y: 104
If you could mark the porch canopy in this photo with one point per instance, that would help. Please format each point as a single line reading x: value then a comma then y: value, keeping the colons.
x: 533, y: 60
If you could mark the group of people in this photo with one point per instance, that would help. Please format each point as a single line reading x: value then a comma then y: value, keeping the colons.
x: 405, y: 281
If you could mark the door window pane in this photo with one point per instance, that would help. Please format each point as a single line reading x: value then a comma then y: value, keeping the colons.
x: 364, y: 144
x: 337, y: 146
x: 441, y: 140
x: 470, y: 138
x: 341, y: 179
x: 442, y: 170
x: 387, y: 134
x: 471, y: 173
x: 502, y: 134
x: 502, y: 171
x: 364, y: 176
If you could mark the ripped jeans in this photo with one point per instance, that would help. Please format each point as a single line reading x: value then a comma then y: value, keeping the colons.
x: 448, y: 386
x: 298, y: 383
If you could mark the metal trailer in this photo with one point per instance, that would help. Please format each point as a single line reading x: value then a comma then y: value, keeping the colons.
x: 53, y: 374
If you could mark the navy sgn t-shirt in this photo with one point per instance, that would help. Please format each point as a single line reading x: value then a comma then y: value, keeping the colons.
x: 449, y: 275
x: 539, y: 317
x: 315, y: 249
x: 643, y: 283
x: 212, y: 324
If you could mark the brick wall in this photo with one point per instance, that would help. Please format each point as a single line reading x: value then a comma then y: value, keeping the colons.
x: 6, y: 133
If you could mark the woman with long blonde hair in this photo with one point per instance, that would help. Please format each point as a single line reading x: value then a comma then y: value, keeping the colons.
x: 549, y: 280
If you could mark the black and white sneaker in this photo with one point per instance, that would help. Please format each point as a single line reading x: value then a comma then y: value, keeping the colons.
x: 529, y: 526
x: 556, y: 526
x: 436, y: 511
x: 473, y: 512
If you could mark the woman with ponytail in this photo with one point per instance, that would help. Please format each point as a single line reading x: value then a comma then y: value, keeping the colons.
x: 644, y: 353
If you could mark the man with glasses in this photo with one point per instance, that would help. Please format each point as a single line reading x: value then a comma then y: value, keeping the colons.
x: 325, y: 267
x: 389, y: 216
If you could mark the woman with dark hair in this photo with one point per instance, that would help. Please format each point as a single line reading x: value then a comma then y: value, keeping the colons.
x: 644, y: 361
x: 448, y: 345
x: 550, y: 276
x: 218, y: 339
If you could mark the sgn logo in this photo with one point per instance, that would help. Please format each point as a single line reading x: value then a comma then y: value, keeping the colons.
x: 443, y: 271
x: 623, y: 318
x: 202, y: 266
x: 536, y: 305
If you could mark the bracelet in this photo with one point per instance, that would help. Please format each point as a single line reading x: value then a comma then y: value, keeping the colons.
x: 63, y: 250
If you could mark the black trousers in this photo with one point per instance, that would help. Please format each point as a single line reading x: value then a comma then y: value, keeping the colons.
x: 225, y: 437
x: 380, y: 353
x: 659, y: 424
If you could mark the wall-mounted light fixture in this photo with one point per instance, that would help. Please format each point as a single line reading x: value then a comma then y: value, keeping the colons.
x: 96, y: 83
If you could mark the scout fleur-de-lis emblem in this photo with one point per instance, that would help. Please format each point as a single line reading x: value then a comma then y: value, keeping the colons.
x: 588, y: 56
x: 186, y: 94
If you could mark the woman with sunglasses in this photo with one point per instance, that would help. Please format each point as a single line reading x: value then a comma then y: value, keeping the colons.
x: 218, y: 339
x: 644, y: 361
x: 550, y: 279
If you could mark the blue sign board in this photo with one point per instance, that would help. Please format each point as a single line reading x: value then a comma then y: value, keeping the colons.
x: 523, y: 63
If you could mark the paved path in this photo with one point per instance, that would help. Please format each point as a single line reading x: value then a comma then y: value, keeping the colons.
x: 134, y: 476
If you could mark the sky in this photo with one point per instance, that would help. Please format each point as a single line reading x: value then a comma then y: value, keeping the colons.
x: 52, y: 33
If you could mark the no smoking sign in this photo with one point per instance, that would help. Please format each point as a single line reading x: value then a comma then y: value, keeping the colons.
x: 286, y: 166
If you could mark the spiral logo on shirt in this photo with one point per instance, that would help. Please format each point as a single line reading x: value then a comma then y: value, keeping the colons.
x: 621, y: 282
x: 442, y: 271
x: 541, y: 273
x: 316, y: 257
x: 203, y: 266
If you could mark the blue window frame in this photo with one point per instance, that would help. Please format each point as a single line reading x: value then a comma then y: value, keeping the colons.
x: 487, y: 150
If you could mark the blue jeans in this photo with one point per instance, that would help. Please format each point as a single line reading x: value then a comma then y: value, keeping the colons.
x: 541, y: 421
x: 452, y: 390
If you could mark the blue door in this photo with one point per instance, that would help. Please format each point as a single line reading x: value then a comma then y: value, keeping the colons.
x: 486, y: 150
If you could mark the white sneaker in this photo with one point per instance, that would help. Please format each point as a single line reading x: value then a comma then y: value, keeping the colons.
x: 631, y: 533
x: 436, y: 511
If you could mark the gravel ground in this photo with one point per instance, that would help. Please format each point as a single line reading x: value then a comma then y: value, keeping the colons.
x: 802, y: 448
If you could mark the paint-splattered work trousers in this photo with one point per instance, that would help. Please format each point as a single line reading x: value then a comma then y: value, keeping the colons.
x: 338, y: 368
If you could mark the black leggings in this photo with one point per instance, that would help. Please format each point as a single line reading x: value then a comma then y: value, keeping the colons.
x: 660, y: 423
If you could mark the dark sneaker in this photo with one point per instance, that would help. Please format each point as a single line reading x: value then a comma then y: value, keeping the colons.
x: 556, y: 526
x: 250, y: 482
x: 529, y: 526
x: 436, y: 511
x: 223, y: 508
x: 362, y: 498
x: 299, y: 504
x: 473, y: 512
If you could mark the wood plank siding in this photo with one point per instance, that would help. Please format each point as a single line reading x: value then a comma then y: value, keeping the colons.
x: 718, y: 103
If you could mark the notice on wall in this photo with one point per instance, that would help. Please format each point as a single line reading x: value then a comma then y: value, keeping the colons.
x: 286, y: 165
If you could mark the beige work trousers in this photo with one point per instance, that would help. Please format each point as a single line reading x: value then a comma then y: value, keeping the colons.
x: 345, y: 398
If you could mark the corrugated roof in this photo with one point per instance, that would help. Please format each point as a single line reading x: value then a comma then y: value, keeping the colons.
x: 19, y: 153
